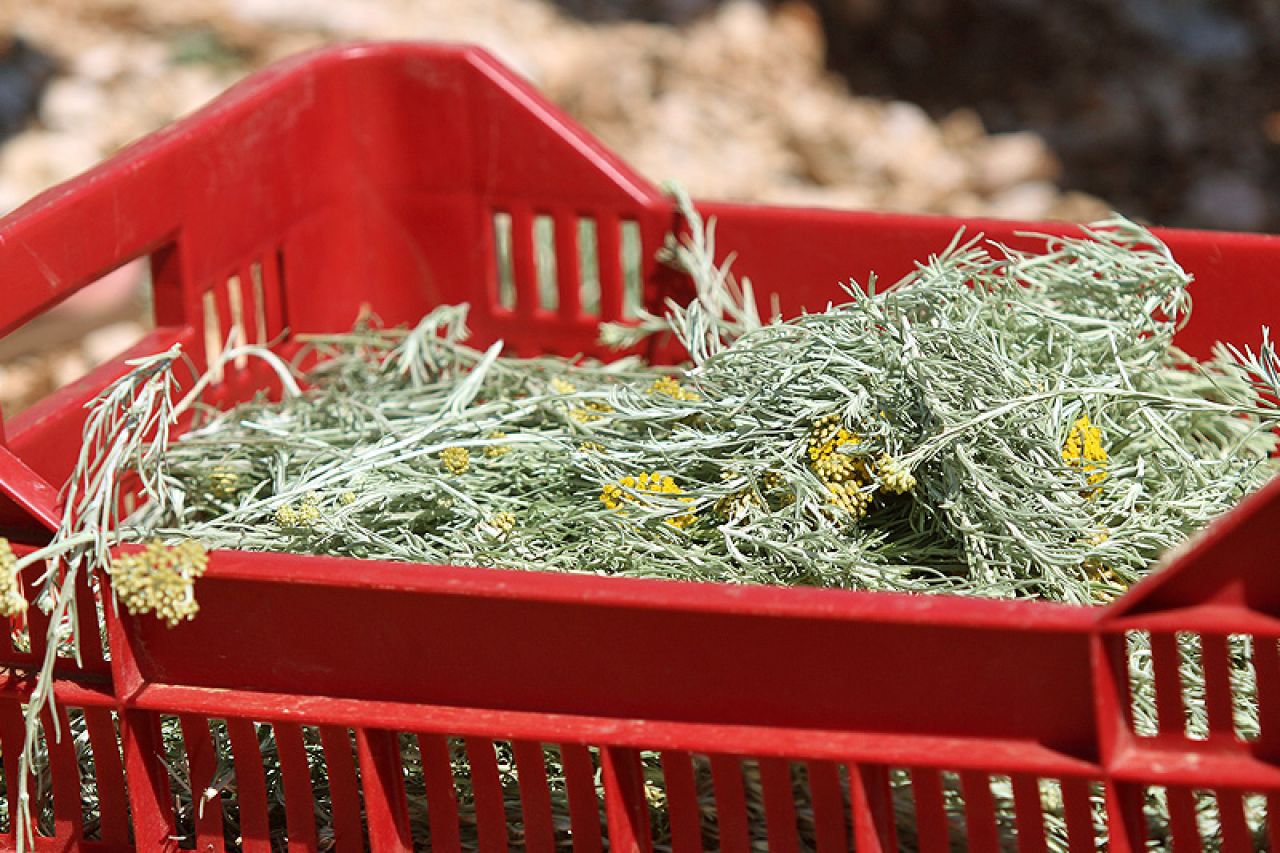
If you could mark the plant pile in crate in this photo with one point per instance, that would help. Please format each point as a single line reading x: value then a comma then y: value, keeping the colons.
x: 999, y: 423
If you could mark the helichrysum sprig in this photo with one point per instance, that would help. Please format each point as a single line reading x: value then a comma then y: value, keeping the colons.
x: 639, y: 488
x: 503, y: 523
x: 669, y: 386
x: 160, y: 579
x: 590, y: 412
x: 846, y: 478
x: 561, y: 385
x: 826, y: 439
x: 494, y: 451
x: 893, y: 476
x: 455, y: 460
x: 827, y: 436
x: 224, y: 482
x: 306, y: 514
x: 739, y: 505
x: 850, y: 497
x: 1084, y: 450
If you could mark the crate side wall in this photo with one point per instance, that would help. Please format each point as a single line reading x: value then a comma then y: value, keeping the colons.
x: 628, y: 658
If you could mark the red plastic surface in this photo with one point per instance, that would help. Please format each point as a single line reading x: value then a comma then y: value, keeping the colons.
x: 371, y: 176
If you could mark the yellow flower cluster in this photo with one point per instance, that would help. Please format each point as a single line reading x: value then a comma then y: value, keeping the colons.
x: 590, y: 411
x: 160, y: 580
x: 613, y: 495
x: 591, y: 447
x: 842, y: 474
x: 849, y: 497
x: 307, y: 514
x: 827, y: 436
x: 503, y: 522
x: 347, y: 498
x: 773, y: 493
x: 629, y: 488
x: 777, y: 488
x: 1098, y: 570
x: 848, y: 477
x: 840, y: 468
x: 223, y: 481
x: 493, y: 451
x: 738, y: 505
x: 1084, y: 450
x: 669, y: 386
x: 12, y: 601
x: 893, y: 477
x: 563, y: 386
x: 456, y: 460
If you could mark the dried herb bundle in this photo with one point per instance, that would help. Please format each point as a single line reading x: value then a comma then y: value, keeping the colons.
x: 1000, y: 423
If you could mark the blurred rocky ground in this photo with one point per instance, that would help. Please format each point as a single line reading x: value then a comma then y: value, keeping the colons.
x: 1169, y: 109
x: 735, y: 101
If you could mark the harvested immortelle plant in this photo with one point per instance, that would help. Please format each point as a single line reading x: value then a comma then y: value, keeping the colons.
x: 999, y: 423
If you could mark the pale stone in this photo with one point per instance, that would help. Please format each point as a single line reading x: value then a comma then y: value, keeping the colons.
x: 1012, y: 158
x: 102, y: 62
x: 74, y: 104
x: 21, y: 384
x: 43, y: 158
x: 68, y: 367
x: 1079, y: 207
x: 737, y: 104
x: 104, y: 344
x: 1032, y: 200
x: 962, y: 128
x: 963, y: 204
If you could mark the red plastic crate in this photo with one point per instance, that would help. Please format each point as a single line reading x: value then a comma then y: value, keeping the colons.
x: 371, y: 175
